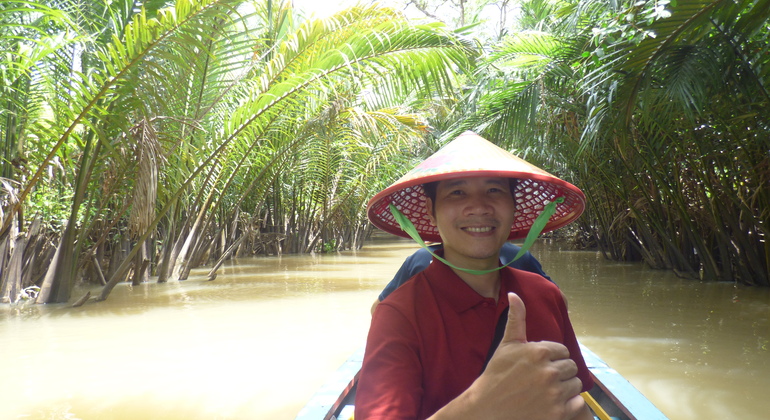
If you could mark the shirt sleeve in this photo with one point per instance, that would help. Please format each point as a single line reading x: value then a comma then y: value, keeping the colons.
x: 390, y: 384
x: 571, y: 342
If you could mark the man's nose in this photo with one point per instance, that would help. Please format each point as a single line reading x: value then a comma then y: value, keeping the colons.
x: 478, y: 204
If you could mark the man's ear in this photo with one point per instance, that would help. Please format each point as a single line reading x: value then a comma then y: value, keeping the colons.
x: 430, y: 211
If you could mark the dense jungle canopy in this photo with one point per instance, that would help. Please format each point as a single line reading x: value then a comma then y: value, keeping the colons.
x: 145, y: 138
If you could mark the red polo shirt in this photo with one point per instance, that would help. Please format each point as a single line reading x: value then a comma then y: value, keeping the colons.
x: 429, y: 339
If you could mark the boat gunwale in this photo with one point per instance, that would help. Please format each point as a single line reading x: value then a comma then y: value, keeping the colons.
x: 339, y: 390
x: 336, y: 392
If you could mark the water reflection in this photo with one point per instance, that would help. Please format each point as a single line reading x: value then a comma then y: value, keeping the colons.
x: 260, y: 339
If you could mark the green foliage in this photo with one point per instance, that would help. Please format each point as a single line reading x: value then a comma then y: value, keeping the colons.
x: 329, y: 247
x: 182, y: 117
x: 51, y: 205
x: 655, y: 108
x: 203, y: 106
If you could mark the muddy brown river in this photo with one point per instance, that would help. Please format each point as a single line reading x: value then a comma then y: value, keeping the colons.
x: 257, y: 342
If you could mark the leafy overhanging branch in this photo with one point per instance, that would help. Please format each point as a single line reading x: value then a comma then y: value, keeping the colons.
x: 120, y: 58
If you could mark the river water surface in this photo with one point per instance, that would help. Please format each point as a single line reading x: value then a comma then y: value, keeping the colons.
x: 258, y: 341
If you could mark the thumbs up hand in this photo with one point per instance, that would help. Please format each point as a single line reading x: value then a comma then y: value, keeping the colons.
x: 523, y: 380
x: 516, y: 327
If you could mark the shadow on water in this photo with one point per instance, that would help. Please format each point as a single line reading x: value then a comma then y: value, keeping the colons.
x: 259, y: 340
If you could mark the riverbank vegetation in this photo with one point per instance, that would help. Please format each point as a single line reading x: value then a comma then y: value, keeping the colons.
x: 143, y: 139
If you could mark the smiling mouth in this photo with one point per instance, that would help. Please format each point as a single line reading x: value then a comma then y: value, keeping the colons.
x: 483, y: 229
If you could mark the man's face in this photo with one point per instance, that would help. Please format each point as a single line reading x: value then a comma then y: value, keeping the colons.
x: 474, y: 217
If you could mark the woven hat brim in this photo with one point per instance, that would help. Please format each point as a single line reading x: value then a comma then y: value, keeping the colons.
x: 460, y: 159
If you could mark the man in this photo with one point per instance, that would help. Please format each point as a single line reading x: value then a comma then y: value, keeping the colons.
x: 421, y: 258
x: 429, y: 353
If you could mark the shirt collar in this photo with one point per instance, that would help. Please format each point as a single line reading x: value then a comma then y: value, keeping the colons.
x: 453, y: 289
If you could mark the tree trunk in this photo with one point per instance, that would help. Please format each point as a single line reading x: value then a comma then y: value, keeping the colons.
x: 12, y: 273
x: 54, y: 276
x: 165, y: 256
x: 213, y: 273
x: 140, y: 266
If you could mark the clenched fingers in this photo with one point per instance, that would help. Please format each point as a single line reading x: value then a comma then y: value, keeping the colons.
x: 566, y: 368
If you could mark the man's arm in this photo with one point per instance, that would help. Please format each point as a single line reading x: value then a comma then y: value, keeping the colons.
x: 390, y: 381
x: 533, y: 381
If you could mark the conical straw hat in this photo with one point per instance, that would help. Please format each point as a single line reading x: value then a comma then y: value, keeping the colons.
x: 471, y: 155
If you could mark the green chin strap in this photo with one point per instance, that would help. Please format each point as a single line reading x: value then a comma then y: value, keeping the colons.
x: 534, y: 232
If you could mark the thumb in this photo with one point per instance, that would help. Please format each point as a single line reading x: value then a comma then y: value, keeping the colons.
x: 516, y: 328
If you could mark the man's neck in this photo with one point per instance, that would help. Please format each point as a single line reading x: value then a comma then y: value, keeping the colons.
x: 487, y: 285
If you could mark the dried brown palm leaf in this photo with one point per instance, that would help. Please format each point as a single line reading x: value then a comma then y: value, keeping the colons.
x: 148, y: 156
